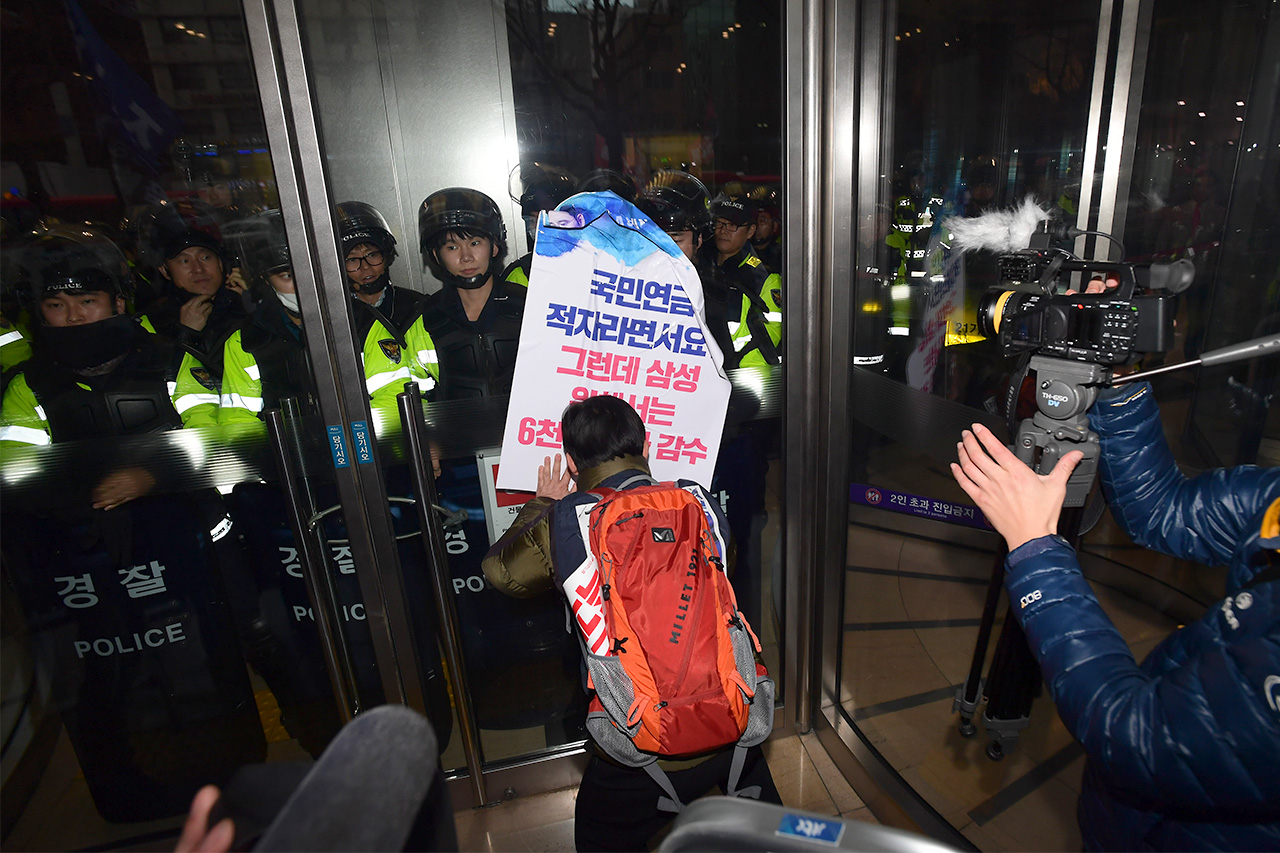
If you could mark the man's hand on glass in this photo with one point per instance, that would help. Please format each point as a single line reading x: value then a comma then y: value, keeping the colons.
x: 551, y: 482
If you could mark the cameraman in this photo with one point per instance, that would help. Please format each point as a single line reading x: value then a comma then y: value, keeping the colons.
x: 1183, y: 750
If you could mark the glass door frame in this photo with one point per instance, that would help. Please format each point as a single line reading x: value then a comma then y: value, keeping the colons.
x: 835, y: 175
x: 289, y: 104
x: 275, y: 46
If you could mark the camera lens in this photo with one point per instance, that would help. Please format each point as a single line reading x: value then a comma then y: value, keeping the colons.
x: 991, y: 311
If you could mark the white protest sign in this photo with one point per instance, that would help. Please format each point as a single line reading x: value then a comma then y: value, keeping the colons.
x: 946, y: 283
x: 500, y: 507
x: 614, y: 307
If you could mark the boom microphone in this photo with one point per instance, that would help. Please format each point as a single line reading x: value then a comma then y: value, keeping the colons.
x: 377, y: 786
x: 1001, y: 231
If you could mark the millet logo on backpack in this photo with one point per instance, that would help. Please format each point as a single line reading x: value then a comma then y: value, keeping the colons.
x: 664, y: 534
x: 686, y: 598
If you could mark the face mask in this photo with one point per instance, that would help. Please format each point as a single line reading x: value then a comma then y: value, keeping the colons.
x: 289, y: 301
x: 88, y: 345
x: 376, y: 286
x: 471, y: 283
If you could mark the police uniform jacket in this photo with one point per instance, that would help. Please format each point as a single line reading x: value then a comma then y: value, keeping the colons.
x: 474, y: 359
x: 1183, y: 749
x: 393, y: 345
x: 197, y: 354
x: 737, y: 319
x: 750, y: 273
x: 47, y: 402
x: 264, y: 363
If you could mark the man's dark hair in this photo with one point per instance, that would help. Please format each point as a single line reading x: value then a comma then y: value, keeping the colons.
x: 601, y: 428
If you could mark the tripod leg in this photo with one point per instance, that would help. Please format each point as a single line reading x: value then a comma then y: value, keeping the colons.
x: 1011, y: 688
x: 968, y: 695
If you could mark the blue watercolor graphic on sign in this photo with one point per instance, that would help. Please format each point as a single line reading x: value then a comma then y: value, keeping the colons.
x: 918, y: 505
x: 610, y: 225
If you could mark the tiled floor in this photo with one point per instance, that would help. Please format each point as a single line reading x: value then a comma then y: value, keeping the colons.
x: 912, y: 607
x: 804, y: 774
x: 62, y: 817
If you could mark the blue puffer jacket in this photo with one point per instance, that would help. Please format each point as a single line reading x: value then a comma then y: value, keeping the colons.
x: 1184, y: 749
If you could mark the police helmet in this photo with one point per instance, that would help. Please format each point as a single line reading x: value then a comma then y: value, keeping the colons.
x: 540, y: 186
x: 768, y: 199
x: 260, y: 241
x: 667, y: 213
x: 684, y: 190
x: 73, y: 259
x: 362, y: 223
x: 460, y: 209
x: 609, y: 180
x: 163, y: 230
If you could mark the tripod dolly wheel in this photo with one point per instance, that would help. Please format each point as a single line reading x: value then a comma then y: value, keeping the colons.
x: 995, y: 751
x: 967, y: 728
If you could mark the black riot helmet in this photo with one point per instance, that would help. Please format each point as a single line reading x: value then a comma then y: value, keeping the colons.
x: 261, y: 242
x: 464, y: 212
x: 540, y: 186
x: 608, y: 179
x: 684, y: 191
x: 667, y: 212
x: 362, y: 223
x: 73, y: 259
x: 163, y: 230
x: 78, y: 260
x: 768, y: 199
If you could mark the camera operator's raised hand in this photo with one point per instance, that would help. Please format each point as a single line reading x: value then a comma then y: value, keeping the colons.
x: 1021, y: 504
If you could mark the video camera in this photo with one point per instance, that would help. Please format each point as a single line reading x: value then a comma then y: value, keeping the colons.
x: 1025, y: 312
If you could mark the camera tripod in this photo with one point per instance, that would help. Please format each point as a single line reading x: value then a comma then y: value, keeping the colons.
x: 1064, y: 392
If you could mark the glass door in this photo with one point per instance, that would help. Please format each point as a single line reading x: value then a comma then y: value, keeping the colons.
x: 1114, y: 116
x: 199, y: 554
x: 512, y: 108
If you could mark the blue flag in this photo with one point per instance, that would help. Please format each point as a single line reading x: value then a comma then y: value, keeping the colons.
x: 145, y: 122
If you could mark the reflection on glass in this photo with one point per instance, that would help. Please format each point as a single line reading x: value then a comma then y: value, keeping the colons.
x: 986, y: 111
x: 147, y: 308
x: 1203, y: 188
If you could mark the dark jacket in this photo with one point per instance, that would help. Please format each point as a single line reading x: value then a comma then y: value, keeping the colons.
x: 1184, y: 749
x: 522, y: 563
x: 476, y: 359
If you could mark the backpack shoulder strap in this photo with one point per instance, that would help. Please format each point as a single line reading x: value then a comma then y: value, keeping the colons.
x: 638, y: 478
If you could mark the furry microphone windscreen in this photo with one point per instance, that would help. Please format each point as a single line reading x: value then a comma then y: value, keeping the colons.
x: 997, y: 231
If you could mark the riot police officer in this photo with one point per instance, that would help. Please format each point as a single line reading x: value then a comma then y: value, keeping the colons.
x: 474, y: 324
x: 265, y: 360
x: 678, y: 204
x: 474, y: 321
x: 767, y: 241
x: 386, y: 320
x: 84, y: 344
x: 729, y: 251
x: 133, y: 595
x: 198, y: 308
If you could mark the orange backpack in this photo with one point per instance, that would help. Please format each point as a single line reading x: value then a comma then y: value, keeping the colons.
x: 669, y: 655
